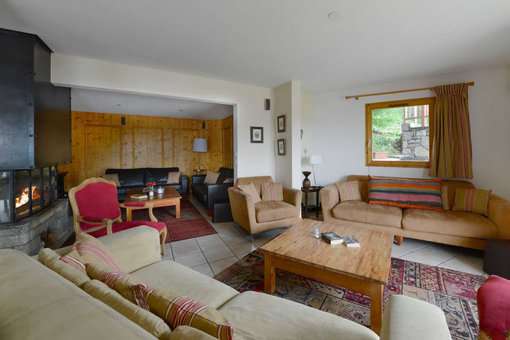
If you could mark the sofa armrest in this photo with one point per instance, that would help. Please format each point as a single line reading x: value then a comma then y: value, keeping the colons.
x: 407, y: 318
x: 134, y: 248
x: 293, y: 197
x: 329, y: 199
x: 499, y: 213
x: 184, y: 184
x: 242, y: 207
x: 217, y: 193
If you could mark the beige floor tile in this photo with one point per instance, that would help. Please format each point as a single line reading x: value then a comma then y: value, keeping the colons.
x: 242, y: 249
x: 182, y: 248
x: 209, y: 240
x: 204, y: 269
x: 217, y: 253
x: 432, y: 255
x: 191, y: 259
x: 220, y: 265
x: 465, y: 263
x: 408, y: 246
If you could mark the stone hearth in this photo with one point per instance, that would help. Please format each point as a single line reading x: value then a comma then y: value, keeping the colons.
x: 48, y: 228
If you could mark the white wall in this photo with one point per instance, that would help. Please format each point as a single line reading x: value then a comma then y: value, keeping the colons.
x: 335, y: 128
x: 288, y: 101
x: 250, y: 159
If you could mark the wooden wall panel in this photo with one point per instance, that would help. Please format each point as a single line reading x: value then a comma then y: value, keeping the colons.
x: 100, y: 141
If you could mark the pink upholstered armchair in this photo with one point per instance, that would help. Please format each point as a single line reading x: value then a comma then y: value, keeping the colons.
x: 96, y: 210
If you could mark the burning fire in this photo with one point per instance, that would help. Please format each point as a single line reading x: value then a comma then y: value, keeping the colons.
x: 24, y: 197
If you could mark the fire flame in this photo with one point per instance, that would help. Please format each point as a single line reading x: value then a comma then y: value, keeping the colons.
x: 24, y: 197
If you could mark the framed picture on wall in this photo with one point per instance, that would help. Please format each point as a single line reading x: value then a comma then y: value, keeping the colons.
x: 257, y: 134
x: 281, y: 147
x: 281, y: 123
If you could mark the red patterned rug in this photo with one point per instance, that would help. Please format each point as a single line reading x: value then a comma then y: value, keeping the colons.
x: 191, y: 224
x: 453, y: 291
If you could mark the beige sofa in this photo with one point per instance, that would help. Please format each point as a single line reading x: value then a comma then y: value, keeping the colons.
x: 458, y: 228
x: 37, y: 303
x: 263, y: 215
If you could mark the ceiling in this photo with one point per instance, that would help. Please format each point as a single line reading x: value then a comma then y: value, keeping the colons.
x: 268, y: 42
x: 117, y: 102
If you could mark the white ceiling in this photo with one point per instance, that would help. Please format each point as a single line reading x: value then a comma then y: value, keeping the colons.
x: 267, y: 42
x: 117, y: 102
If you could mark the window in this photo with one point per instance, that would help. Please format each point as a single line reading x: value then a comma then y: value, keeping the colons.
x: 398, y: 133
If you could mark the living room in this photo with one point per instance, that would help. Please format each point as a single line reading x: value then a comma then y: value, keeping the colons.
x: 172, y: 170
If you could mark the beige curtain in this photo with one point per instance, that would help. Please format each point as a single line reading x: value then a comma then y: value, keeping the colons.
x: 451, y: 140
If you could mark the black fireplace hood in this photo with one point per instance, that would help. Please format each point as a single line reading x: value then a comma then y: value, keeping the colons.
x: 35, y: 115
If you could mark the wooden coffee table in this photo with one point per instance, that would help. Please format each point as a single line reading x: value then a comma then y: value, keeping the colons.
x: 170, y: 198
x: 364, y: 270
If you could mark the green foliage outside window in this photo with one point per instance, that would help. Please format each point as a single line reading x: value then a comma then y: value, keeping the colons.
x: 387, y: 130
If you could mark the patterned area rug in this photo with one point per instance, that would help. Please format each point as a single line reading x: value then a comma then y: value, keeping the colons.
x: 191, y: 224
x: 453, y: 291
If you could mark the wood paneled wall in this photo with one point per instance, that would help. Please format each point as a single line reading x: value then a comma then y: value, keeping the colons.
x: 103, y: 140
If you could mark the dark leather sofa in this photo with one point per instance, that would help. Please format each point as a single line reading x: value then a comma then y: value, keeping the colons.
x: 138, y: 177
x: 208, y: 194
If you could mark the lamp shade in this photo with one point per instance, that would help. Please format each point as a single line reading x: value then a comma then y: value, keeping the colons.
x: 315, y: 159
x: 199, y: 145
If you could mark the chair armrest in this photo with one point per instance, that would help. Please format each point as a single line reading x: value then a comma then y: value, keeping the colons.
x: 242, y: 207
x: 329, y: 199
x: 407, y: 318
x: 499, y: 213
x: 197, y: 179
x: 292, y: 196
x: 134, y: 248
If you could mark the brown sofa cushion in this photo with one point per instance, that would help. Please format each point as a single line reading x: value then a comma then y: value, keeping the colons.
x: 458, y: 223
x: 368, y: 213
x: 268, y: 211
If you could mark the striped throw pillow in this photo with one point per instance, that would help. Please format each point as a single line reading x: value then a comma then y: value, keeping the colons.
x: 405, y: 192
x: 91, y: 250
x: 184, y: 311
x: 472, y: 200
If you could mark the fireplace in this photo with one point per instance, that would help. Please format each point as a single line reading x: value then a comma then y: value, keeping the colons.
x: 25, y: 192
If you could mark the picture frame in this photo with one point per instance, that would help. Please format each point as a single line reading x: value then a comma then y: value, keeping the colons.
x: 281, y: 146
x: 281, y: 123
x: 257, y: 134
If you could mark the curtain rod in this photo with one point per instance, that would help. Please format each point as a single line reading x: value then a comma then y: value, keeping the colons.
x: 358, y: 96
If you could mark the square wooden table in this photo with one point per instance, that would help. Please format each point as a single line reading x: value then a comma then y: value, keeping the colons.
x: 364, y: 270
x: 170, y: 198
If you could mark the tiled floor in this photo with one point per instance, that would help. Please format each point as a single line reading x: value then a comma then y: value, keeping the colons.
x: 212, y: 254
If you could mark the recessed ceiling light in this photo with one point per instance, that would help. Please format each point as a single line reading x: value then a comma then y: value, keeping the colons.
x: 333, y: 16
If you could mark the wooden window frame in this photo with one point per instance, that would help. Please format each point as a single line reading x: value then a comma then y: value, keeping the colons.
x: 391, y: 104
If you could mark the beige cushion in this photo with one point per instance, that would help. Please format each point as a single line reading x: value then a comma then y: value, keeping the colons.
x: 52, y: 260
x: 189, y: 333
x: 407, y: 318
x: 145, y: 319
x: 262, y: 316
x: 359, y: 211
x: 211, y: 177
x: 89, y: 249
x: 445, y: 201
x: 256, y: 180
x: 349, y: 191
x: 112, y: 178
x: 37, y: 303
x: 268, y: 211
x: 250, y: 191
x: 184, y: 281
x: 456, y: 223
x: 173, y: 177
x: 272, y: 191
x: 134, y: 248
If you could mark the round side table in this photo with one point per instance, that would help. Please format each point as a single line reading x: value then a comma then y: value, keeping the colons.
x: 306, y: 206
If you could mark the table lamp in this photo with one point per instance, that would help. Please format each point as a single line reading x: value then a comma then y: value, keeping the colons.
x: 315, y: 160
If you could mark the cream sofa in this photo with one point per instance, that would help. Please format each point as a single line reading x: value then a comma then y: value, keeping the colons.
x: 263, y: 215
x: 37, y: 303
x: 458, y: 228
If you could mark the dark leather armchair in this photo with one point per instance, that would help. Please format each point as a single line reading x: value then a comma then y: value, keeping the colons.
x: 138, y: 177
x: 208, y: 194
